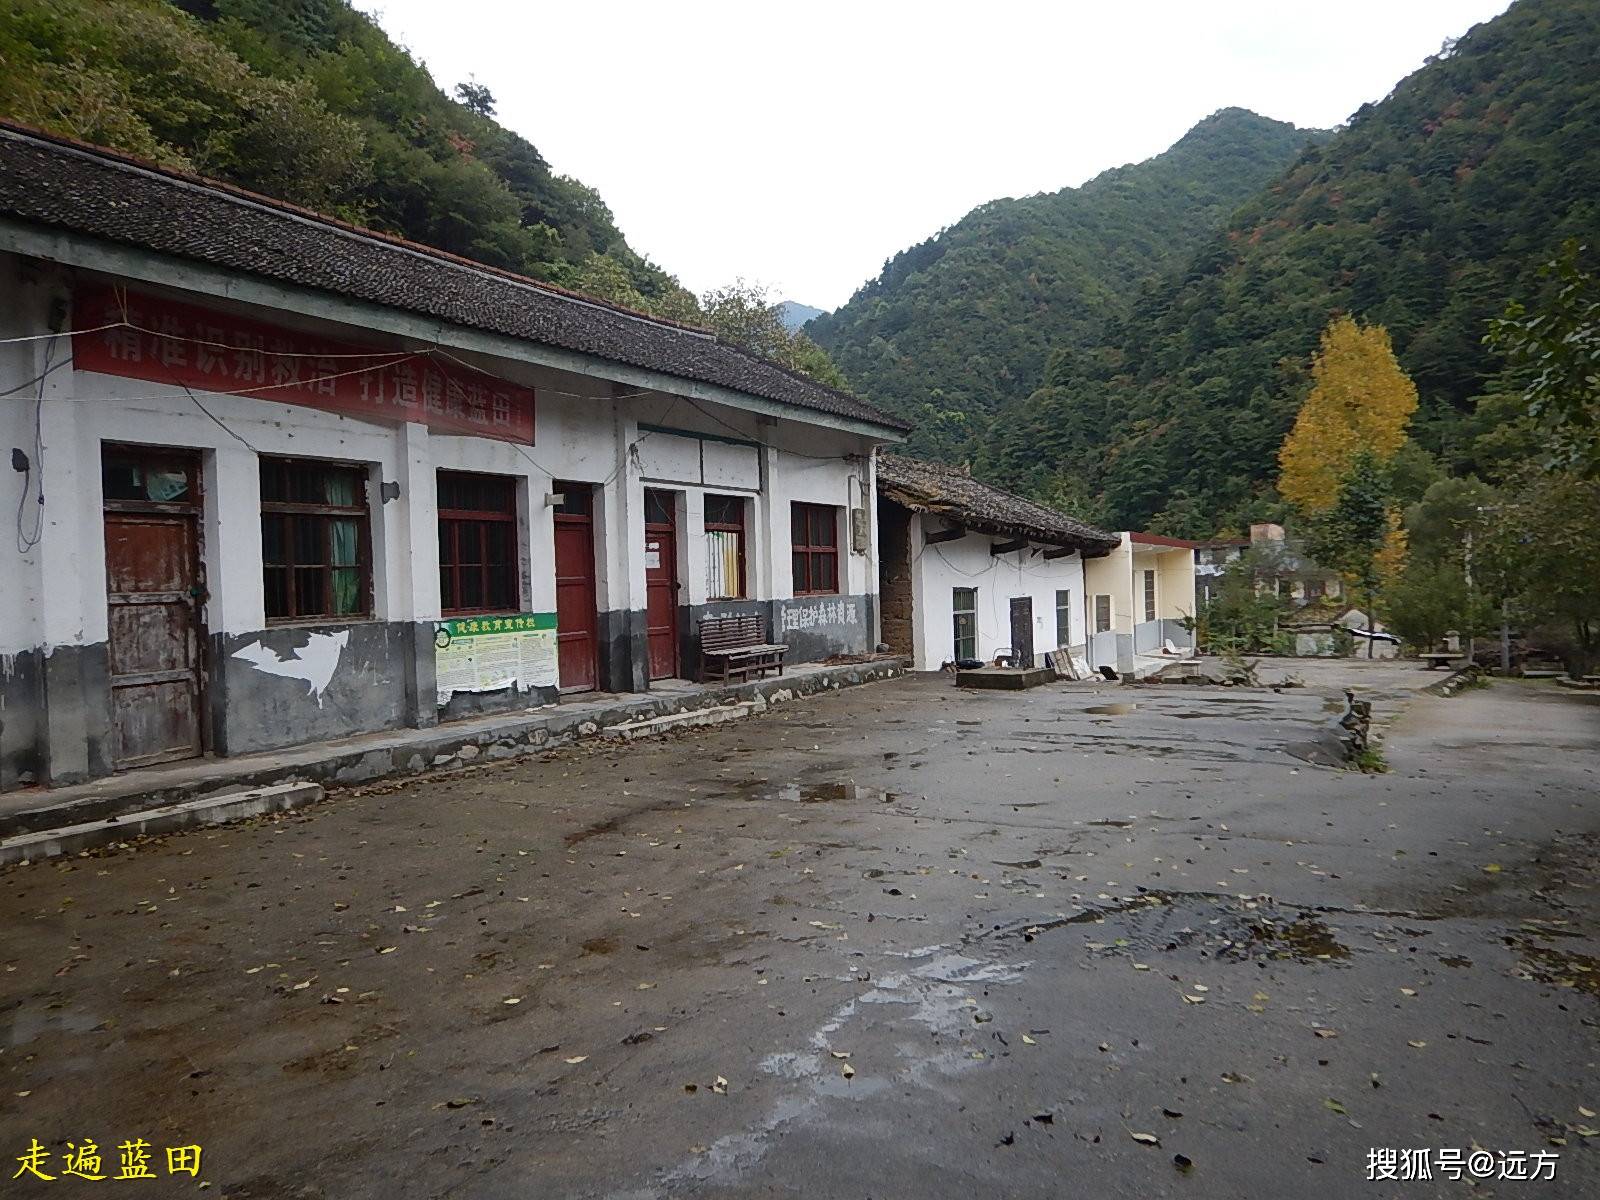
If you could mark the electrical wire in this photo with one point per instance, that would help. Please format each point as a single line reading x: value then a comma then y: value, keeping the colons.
x: 26, y: 540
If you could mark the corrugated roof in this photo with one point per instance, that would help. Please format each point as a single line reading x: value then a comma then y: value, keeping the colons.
x: 88, y: 190
x: 953, y: 494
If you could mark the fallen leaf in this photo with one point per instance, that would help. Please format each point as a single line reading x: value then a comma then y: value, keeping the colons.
x: 1335, y: 1106
x: 1145, y: 1139
x: 840, y: 1053
x: 1234, y: 1077
x: 1585, y: 1112
x: 1408, y: 991
x: 1188, y: 999
x: 1183, y: 1162
x: 1416, y: 1045
x: 847, y: 1071
x: 1492, y: 868
x: 1325, y: 1033
x: 576, y: 1059
x: 512, y: 1000
x: 1028, y: 1041
x: 386, y: 949
x: 720, y: 1087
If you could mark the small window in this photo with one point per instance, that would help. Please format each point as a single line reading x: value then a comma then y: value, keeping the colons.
x: 964, y: 611
x: 478, y: 543
x: 657, y: 507
x: 724, y: 524
x: 1149, y: 595
x: 814, y: 533
x: 577, y: 499
x: 1063, y: 619
x: 315, y: 540
x: 1102, y: 614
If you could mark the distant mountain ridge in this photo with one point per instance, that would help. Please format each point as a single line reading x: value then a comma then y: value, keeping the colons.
x: 794, y: 315
x: 962, y: 323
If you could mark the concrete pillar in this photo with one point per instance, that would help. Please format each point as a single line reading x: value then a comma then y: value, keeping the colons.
x: 411, y: 546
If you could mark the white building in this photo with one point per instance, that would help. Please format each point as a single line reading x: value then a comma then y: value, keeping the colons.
x: 969, y: 570
x: 1141, y: 603
x: 279, y: 480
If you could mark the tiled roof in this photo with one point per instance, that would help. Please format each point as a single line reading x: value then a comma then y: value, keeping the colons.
x: 953, y: 494
x: 66, y: 185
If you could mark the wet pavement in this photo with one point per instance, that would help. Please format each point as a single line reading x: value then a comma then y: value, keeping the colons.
x: 900, y: 941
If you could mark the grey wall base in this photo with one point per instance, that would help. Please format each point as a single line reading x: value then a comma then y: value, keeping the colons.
x: 417, y: 751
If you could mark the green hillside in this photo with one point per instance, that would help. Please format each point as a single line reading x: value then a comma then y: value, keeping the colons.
x: 309, y: 101
x: 962, y: 323
x: 1426, y: 213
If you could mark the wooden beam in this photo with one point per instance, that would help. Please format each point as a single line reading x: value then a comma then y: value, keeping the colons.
x: 1060, y: 552
x: 998, y: 548
x: 944, y: 535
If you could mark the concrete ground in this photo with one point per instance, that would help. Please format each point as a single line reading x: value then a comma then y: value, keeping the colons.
x: 899, y: 941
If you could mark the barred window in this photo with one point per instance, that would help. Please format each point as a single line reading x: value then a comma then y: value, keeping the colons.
x: 725, y: 569
x: 814, y: 534
x: 316, y: 548
x: 478, y: 543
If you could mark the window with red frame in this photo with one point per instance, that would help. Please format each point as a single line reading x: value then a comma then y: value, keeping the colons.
x: 814, y: 533
x: 724, y: 522
x: 478, y: 543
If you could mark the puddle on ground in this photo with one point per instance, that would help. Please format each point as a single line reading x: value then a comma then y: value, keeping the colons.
x: 600, y: 945
x: 812, y: 793
x: 1214, y: 927
x: 1111, y: 710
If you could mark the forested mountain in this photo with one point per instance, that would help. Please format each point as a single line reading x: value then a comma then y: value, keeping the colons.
x: 962, y: 323
x: 1429, y: 211
x: 309, y: 101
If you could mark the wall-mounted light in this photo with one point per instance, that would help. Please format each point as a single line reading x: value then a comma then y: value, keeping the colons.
x: 554, y: 499
x: 389, y: 491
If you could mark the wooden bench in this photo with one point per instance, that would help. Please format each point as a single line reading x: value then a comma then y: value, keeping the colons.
x: 736, y: 647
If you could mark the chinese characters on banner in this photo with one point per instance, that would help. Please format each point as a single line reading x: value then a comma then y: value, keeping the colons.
x: 219, y: 352
x: 494, y: 652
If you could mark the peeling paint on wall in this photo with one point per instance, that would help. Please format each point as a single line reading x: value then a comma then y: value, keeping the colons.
x: 314, y: 663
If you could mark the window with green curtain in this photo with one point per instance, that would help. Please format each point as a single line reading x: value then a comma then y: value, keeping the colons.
x: 315, y: 539
x: 964, y: 614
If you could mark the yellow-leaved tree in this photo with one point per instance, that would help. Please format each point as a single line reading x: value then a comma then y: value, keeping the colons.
x: 1361, y: 399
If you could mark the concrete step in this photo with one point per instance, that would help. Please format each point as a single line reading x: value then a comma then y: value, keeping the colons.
x: 168, y: 818
x: 719, y: 714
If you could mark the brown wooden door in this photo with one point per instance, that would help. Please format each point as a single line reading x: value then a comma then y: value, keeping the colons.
x: 661, y: 583
x: 153, y: 593
x: 577, y: 616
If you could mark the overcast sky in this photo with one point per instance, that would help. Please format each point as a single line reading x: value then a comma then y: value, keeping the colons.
x: 800, y: 145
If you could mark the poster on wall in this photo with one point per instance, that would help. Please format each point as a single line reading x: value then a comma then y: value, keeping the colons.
x: 492, y: 653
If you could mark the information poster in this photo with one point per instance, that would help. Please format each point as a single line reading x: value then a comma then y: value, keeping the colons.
x: 492, y: 653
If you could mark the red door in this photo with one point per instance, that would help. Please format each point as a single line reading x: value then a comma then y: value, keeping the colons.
x: 577, y: 620
x: 661, y: 583
x: 153, y: 596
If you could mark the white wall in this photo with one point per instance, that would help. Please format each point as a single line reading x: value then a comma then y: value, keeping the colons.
x: 586, y: 430
x: 967, y: 563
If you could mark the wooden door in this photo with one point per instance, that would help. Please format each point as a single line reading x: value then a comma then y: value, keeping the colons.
x: 577, y: 616
x: 661, y: 583
x: 153, y: 595
x: 1022, y: 629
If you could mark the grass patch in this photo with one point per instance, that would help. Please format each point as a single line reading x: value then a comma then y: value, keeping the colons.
x: 1370, y: 761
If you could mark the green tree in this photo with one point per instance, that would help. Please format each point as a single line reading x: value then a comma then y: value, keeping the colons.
x: 475, y: 97
x: 1241, y: 615
x: 1349, y: 536
x: 1555, y: 346
x: 1545, y: 541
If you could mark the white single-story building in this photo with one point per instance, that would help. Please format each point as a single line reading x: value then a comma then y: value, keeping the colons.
x: 1140, y: 603
x: 276, y: 479
x: 969, y: 570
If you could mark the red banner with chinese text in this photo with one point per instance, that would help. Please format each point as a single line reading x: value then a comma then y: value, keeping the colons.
x: 199, y: 348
